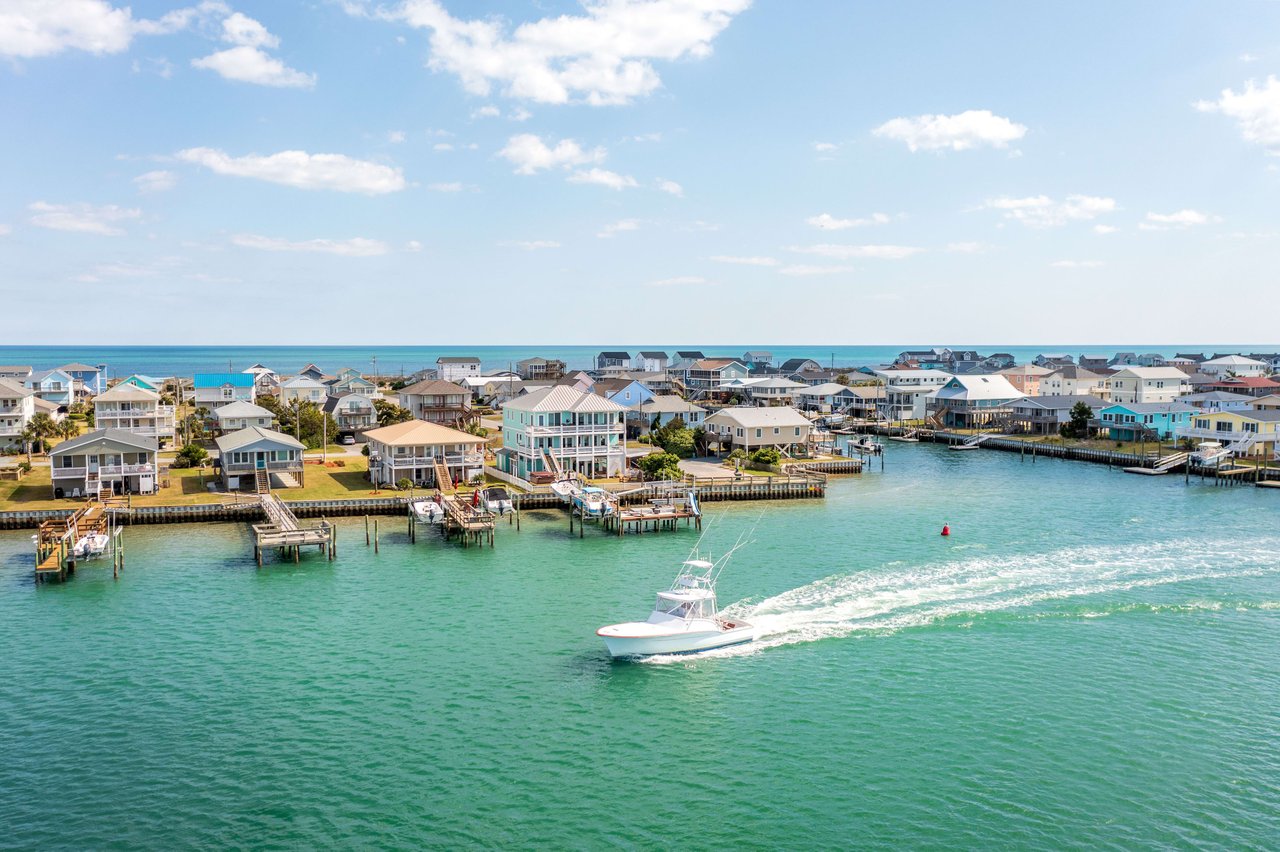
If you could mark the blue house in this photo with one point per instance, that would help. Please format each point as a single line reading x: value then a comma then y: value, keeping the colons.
x: 92, y: 379
x: 150, y: 383
x: 53, y: 386
x: 1130, y: 421
x: 632, y: 393
x: 213, y: 390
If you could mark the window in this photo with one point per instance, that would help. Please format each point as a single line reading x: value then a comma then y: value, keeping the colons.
x: 758, y: 432
x: 1249, y: 427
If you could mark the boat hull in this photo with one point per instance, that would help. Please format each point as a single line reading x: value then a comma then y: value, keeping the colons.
x: 684, y: 642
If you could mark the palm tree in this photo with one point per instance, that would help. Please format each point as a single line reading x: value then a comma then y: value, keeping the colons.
x: 44, y: 427
x: 28, y: 436
x: 68, y: 429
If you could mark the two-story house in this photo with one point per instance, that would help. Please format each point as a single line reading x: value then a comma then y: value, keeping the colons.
x: 906, y: 392
x: 134, y: 409
x: 53, y: 386
x: 455, y: 368
x: 1132, y: 421
x: 562, y: 430
x: 416, y: 451
x: 1045, y: 415
x: 1147, y: 384
x: 757, y: 359
x: 1072, y: 380
x: 92, y: 380
x: 353, y: 412
x: 972, y: 402
x: 105, y: 461
x: 438, y: 401
x: 710, y: 373
x: 1026, y: 378
x: 16, y: 372
x: 214, y: 390
x: 540, y: 369
x: 1234, y: 365
x: 625, y: 392
x: 1245, y: 432
x: 17, y: 407
x: 606, y: 360
x: 350, y: 381
x: 651, y: 361
x: 658, y: 411
x: 258, y: 459
x: 826, y: 397
x: 774, y: 390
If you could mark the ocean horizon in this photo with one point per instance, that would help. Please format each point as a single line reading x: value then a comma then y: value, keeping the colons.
x: 163, y: 361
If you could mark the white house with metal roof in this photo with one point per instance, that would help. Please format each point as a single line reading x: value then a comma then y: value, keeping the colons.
x: 972, y: 401
x: 455, y: 368
x: 241, y: 415
x: 303, y: 389
x: 1234, y: 365
x: 17, y: 407
x: 562, y: 429
x: 419, y: 452
x: 1147, y: 384
x: 105, y: 461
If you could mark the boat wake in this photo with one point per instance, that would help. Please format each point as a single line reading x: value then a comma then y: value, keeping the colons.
x: 898, y: 596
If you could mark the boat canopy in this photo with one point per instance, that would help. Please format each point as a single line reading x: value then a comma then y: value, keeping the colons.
x: 686, y: 595
x: 700, y: 564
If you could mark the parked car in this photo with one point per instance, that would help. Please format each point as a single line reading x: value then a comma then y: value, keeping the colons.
x: 347, y: 440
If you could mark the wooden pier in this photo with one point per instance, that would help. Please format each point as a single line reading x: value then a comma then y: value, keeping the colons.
x: 471, y: 524
x: 56, y: 540
x: 283, y: 533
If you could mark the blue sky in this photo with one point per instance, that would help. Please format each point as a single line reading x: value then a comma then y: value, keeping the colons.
x: 442, y: 172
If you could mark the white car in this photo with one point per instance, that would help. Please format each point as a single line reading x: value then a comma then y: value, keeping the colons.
x: 347, y: 440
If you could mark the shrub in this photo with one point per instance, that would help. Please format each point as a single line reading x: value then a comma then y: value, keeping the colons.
x: 25, y: 467
x: 364, y: 451
x: 644, y: 439
x: 766, y: 455
x: 661, y: 466
x: 192, y: 455
x: 404, y: 483
x: 738, y: 455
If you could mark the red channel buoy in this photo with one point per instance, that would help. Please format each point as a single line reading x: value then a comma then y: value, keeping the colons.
x: 946, y: 529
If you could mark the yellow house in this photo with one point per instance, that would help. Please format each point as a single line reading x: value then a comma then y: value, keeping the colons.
x: 1244, y: 432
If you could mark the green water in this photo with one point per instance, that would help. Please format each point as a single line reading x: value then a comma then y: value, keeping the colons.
x: 1090, y: 660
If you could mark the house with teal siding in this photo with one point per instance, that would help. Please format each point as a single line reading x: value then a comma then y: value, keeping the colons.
x: 1130, y: 421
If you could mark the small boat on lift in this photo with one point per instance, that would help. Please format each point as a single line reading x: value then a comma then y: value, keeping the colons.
x: 427, y: 511
x: 566, y: 489
x: 685, y: 619
x: 594, y: 502
x: 496, y: 499
x: 91, y: 546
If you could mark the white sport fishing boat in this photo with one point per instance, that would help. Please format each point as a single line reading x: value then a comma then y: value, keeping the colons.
x: 90, y: 546
x: 427, y: 512
x: 593, y: 502
x: 566, y: 489
x: 684, y: 620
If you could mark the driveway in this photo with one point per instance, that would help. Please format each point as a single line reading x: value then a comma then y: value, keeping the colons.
x: 705, y: 466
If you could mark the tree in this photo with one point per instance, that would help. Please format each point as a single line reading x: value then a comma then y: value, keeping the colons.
x: 28, y: 437
x: 661, y: 466
x: 389, y: 413
x: 68, y: 429
x: 843, y: 379
x: 1078, y: 427
x: 305, y: 421
x: 766, y: 455
x: 44, y: 427
x: 675, y: 437
x: 192, y: 455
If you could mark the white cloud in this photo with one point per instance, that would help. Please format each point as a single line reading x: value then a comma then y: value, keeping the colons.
x: 442, y: 146
x: 519, y: 114
x: 825, y: 147
x: 1105, y: 229
x: 1248, y: 57
x: 395, y: 137
x: 534, y: 245
x: 621, y: 225
x: 246, y: 64
x: 529, y: 154
x: 243, y: 30
x: 1179, y: 220
x: 745, y: 261
x: 967, y: 248
x: 827, y: 222
x: 681, y: 281
x: 647, y: 137
x: 1077, y: 264
x: 33, y: 28
x: 413, y: 245
x: 1041, y: 211
x: 1256, y: 110
x: 156, y: 181
x: 603, y: 177
x: 843, y: 252
x: 445, y: 187
x: 969, y: 129
x: 602, y: 57
x: 671, y: 187
x: 302, y: 170
x: 800, y: 270
x: 355, y: 247
x: 486, y: 111
x: 83, y: 218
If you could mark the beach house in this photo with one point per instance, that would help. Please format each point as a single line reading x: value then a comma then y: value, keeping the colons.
x: 538, y: 369
x: 774, y: 390
x: 53, y: 386
x: 791, y: 366
x: 303, y: 389
x: 972, y: 401
x: 1217, y: 400
x: 134, y: 409
x: 258, y: 459
x: 438, y: 401
x: 419, y: 451
x: 1245, y: 432
x: 1245, y: 385
x: 105, y: 461
x: 1147, y: 384
x: 90, y: 379
x: 455, y: 368
x: 1132, y: 421
x: 614, y: 359
x: 214, y: 390
x: 660, y: 410
x: 1046, y: 415
x: 906, y: 390
x: 353, y: 412
x: 16, y: 372
x: 757, y: 359
x: 1026, y: 378
x: 709, y: 374
x: 311, y: 371
x: 625, y: 392
x: 17, y: 407
x: 1234, y: 365
x: 826, y: 397
x: 241, y: 415
x: 750, y: 428
x: 561, y: 429
x: 651, y: 361
x: 351, y: 382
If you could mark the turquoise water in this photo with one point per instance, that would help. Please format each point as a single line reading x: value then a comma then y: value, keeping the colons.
x: 123, y: 361
x: 1090, y: 660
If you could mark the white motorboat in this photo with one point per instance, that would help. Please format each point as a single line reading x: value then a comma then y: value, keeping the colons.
x: 90, y: 546
x: 594, y: 502
x: 427, y: 512
x: 566, y: 489
x: 496, y: 499
x: 684, y: 620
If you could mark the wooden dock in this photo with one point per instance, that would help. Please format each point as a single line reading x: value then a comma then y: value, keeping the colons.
x: 471, y: 524
x: 56, y: 540
x: 284, y: 533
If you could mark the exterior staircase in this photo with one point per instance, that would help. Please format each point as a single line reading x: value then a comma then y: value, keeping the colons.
x: 444, y: 482
x: 287, y: 480
x: 1171, y: 461
x: 263, y: 482
x: 553, y: 464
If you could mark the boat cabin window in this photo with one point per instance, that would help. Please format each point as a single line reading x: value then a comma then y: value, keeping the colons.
x: 680, y: 609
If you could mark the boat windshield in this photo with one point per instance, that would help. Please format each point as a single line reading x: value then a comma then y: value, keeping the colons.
x: 677, y: 608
